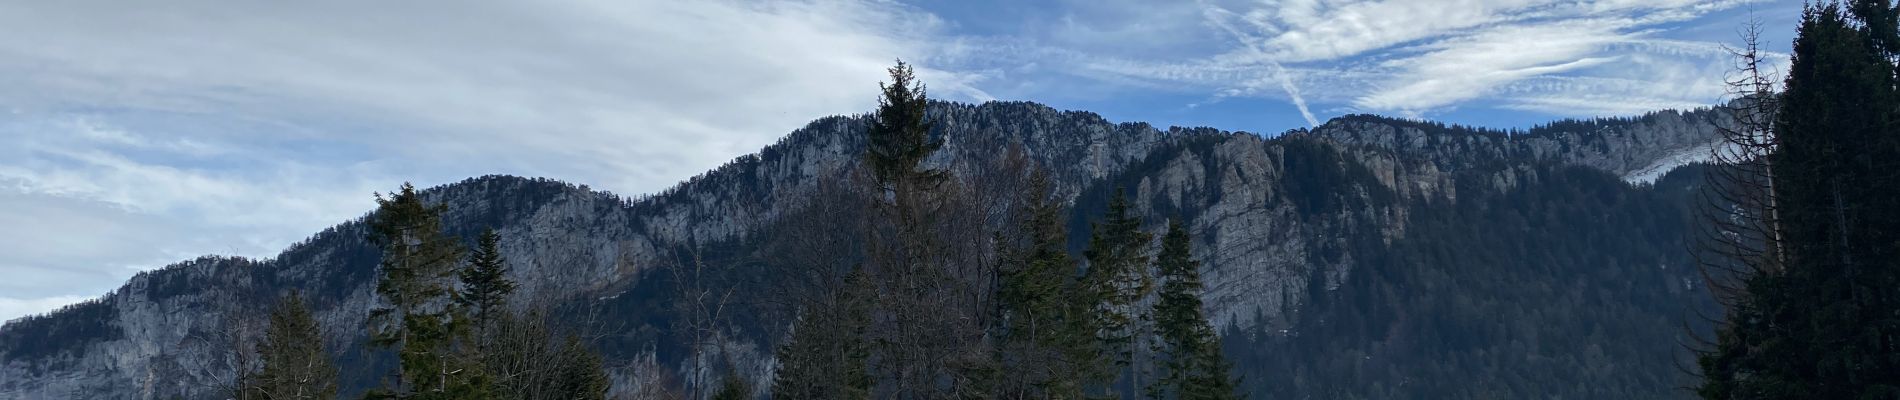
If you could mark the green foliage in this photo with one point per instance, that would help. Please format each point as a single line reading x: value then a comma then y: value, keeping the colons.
x: 1117, y: 278
x: 1315, y: 177
x: 1040, y: 341
x: 295, y: 364
x: 899, y: 139
x: 485, y: 284
x: 1570, y: 284
x: 1189, y: 350
x: 929, y: 340
x: 419, y: 318
x: 827, y: 356
x: 61, y: 332
x: 1825, y: 326
x: 518, y: 358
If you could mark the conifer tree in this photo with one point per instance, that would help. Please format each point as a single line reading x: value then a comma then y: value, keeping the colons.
x: 418, y: 317
x: 1188, y: 350
x: 826, y: 357
x: 899, y: 139
x: 581, y: 374
x: 483, y: 298
x: 1038, y: 344
x: 1824, y: 325
x: 1117, y: 279
x: 928, y: 339
x: 485, y: 284
x: 295, y: 363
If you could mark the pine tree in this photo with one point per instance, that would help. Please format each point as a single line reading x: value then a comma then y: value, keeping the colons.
x: 827, y: 356
x: 418, y: 316
x: 485, y: 284
x: 1188, y: 351
x: 295, y: 364
x: 1117, y: 279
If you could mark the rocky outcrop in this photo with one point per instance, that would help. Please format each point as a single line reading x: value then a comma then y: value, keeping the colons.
x: 1272, y: 218
x: 1622, y: 146
x: 563, y: 242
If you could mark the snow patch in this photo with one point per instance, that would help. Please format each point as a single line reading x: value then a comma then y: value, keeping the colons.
x: 1655, y: 170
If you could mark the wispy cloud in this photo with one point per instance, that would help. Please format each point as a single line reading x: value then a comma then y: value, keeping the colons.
x: 1420, y: 58
x: 139, y: 134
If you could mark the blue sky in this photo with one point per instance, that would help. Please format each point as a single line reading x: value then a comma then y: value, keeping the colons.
x: 140, y: 134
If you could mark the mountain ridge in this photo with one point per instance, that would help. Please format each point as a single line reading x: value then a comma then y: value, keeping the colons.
x: 567, y: 239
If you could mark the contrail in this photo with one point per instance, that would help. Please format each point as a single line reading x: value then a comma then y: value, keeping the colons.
x: 1293, y: 91
x: 1252, y: 44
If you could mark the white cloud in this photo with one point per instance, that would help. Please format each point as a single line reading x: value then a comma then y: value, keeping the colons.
x: 145, y: 133
x: 1436, y: 55
x: 1470, y: 67
x: 1300, y: 31
x: 202, y: 126
x: 673, y: 86
x: 1418, y: 58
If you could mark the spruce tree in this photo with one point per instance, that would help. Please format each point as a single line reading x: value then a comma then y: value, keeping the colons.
x: 1038, y: 345
x: 928, y: 341
x: 1825, y: 326
x: 1188, y: 350
x: 899, y: 139
x: 418, y: 317
x: 485, y: 284
x: 295, y: 363
x: 1116, y: 280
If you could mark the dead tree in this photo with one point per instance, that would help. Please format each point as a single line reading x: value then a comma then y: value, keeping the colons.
x: 1741, y: 234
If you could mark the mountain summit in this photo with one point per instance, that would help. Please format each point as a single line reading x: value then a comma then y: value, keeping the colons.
x: 1334, y: 258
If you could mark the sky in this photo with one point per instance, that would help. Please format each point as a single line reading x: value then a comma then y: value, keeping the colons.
x: 138, y: 134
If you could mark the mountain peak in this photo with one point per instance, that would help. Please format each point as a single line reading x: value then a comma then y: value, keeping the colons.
x: 569, y: 244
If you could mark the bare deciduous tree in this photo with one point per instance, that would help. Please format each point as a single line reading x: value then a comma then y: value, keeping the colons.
x: 1741, y: 233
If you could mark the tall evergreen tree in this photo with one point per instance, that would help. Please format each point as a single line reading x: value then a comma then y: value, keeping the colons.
x: 295, y: 363
x: 1188, y: 350
x: 899, y: 139
x: 485, y: 284
x: 928, y: 336
x: 1038, y: 344
x: 1825, y: 326
x: 418, y: 317
x: 1115, y: 282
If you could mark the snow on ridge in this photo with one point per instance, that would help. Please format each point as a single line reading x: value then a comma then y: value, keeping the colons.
x: 1655, y: 170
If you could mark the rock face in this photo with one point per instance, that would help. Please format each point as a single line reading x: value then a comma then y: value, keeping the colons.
x: 1275, y: 219
x: 1618, y: 146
